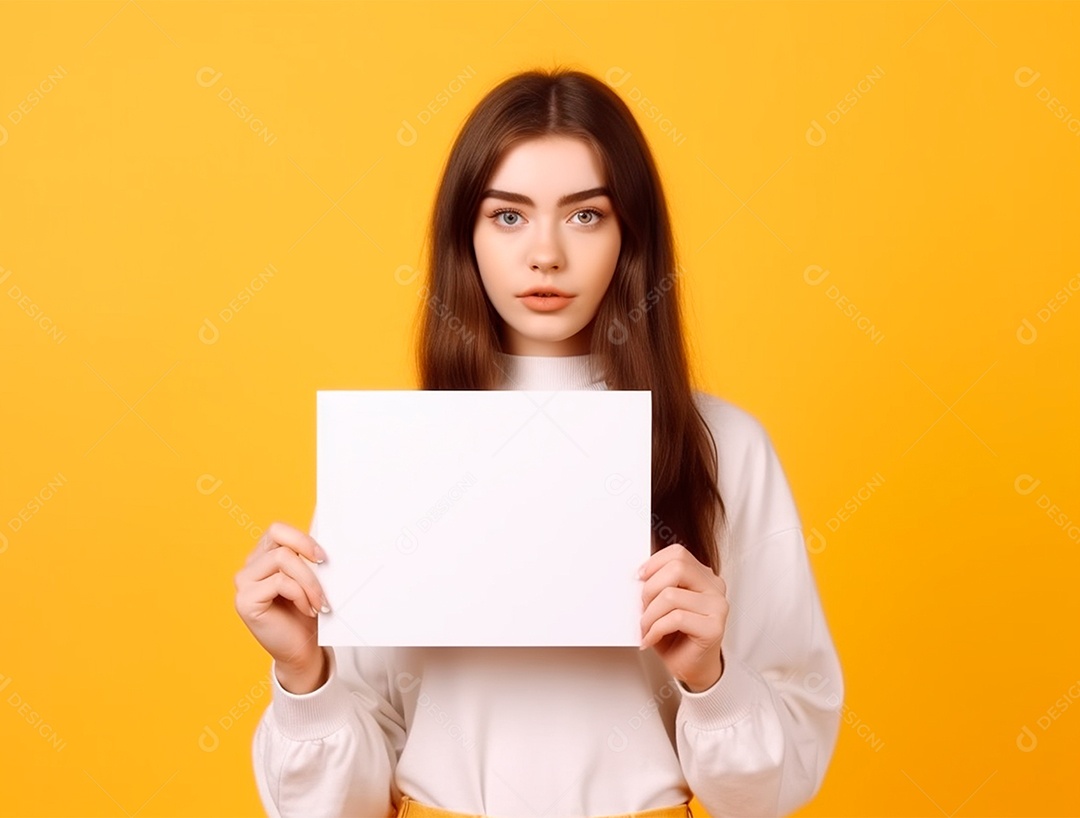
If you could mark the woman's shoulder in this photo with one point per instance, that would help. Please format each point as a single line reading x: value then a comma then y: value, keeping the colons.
x: 733, y: 426
x: 751, y: 476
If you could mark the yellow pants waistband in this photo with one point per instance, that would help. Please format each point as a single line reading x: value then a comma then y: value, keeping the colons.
x: 414, y: 809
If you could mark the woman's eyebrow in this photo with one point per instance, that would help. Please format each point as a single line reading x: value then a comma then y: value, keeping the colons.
x: 569, y: 198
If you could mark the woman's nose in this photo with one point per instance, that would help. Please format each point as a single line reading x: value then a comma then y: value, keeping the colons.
x: 545, y: 253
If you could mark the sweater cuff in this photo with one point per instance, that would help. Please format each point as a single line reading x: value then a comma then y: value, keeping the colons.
x: 729, y: 700
x: 314, y: 715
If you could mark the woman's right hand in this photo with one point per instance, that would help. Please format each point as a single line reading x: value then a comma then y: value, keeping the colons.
x: 276, y: 591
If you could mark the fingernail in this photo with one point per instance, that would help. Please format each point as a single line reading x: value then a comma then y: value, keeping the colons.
x: 325, y: 608
x: 320, y: 555
x: 641, y: 647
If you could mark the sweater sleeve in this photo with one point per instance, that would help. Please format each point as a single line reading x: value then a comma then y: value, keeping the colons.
x: 758, y: 742
x: 332, y: 752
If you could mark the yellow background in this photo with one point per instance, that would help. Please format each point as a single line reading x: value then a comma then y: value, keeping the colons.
x: 137, y: 206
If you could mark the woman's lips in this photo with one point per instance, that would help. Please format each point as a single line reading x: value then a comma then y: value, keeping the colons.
x: 545, y: 303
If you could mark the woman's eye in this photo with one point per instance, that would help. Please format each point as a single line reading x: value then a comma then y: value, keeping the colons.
x: 594, y: 216
x: 512, y: 213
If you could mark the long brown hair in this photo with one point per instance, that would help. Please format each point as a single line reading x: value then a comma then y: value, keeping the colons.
x: 637, y: 337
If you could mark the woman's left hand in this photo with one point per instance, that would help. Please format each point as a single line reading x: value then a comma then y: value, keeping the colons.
x: 684, y: 613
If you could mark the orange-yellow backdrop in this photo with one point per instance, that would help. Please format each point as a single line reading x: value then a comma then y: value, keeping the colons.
x: 207, y: 212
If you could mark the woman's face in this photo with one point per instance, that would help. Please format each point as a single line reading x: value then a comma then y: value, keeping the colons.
x: 546, y: 224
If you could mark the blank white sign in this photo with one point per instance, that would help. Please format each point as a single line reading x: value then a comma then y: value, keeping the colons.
x: 483, y: 517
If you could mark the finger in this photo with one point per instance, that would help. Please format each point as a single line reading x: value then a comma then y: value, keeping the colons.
x: 261, y: 594
x: 294, y: 566
x: 696, y: 626
x: 662, y: 558
x: 671, y: 599
x: 279, y: 533
x: 678, y: 573
x: 671, y: 574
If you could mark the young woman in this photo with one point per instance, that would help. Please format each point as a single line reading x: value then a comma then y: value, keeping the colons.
x: 553, y: 253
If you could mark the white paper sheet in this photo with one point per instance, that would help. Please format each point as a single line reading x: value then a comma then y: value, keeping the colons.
x: 483, y: 518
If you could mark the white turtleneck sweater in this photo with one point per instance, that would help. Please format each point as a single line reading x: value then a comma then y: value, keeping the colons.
x: 561, y: 732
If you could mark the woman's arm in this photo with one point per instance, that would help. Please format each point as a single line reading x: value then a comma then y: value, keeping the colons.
x: 759, y: 741
x: 332, y: 751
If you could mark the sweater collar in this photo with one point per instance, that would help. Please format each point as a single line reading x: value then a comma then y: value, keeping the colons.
x: 549, y: 372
